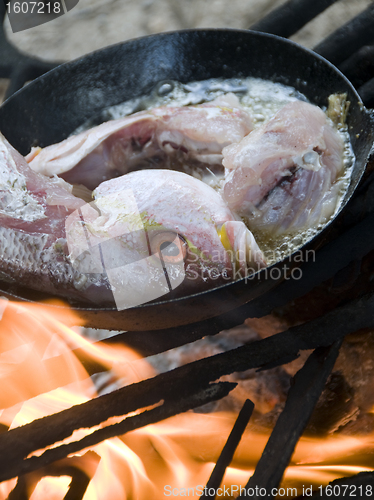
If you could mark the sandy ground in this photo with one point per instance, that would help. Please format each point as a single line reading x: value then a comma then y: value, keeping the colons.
x: 93, y: 24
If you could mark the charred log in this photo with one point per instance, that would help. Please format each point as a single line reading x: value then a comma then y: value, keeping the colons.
x: 228, y: 451
x: 80, y: 469
x: 16, y: 464
x: 302, y: 397
x: 183, y: 382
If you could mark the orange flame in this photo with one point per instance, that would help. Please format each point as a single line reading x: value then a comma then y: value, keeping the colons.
x: 41, y: 374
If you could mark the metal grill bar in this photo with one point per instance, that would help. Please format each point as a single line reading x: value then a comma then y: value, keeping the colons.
x: 347, y: 42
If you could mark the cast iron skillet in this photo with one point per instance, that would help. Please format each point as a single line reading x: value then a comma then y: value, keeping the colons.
x: 50, y: 108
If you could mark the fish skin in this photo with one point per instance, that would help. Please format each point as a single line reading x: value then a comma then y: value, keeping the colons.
x: 171, y: 206
x: 56, y: 243
x: 33, y: 211
x: 282, y: 176
x: 164, y: 137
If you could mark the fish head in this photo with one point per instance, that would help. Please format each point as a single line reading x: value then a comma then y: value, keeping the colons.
x: 157, y: 233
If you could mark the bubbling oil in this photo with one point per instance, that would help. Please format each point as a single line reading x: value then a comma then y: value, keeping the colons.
x: 261, y: 99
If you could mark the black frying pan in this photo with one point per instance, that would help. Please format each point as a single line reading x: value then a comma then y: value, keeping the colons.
x: 50, y: 108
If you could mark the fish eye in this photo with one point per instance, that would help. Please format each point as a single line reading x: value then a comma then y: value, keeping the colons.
x: 172, y: 246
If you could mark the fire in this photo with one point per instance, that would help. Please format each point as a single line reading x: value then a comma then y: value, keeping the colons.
x: 42, y: 359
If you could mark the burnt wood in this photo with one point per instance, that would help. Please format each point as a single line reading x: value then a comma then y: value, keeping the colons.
x: 354, y: 483
x: 291, y: 16
x: 228, y: 451
x: 366, y: 92
x: 286, y: 22
x: 303, y: 395
x: 16, y: 465
x: 180, y: 384
x: 73, y: 467
x: 348, y: 39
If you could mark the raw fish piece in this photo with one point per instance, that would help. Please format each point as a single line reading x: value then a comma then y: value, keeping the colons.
x: 33, y: 212
x: 160, y: 230
x: 159, y: 138
x: 146, y: 234
x: 283, y: 176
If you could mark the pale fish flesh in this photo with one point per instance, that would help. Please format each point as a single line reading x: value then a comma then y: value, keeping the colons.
x: 160, y: 231
x: 284, y: 175
x: 33, y: 249
x: 165, y: 137
x: 145, y: 235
